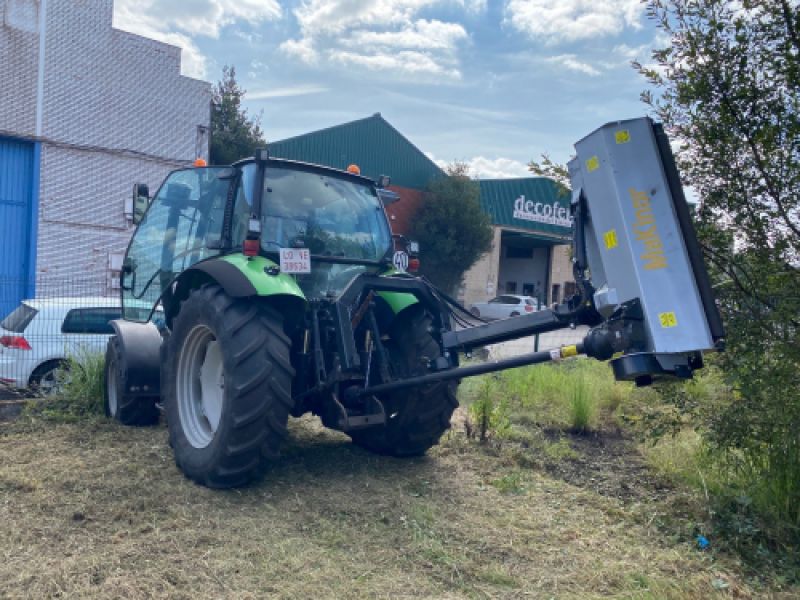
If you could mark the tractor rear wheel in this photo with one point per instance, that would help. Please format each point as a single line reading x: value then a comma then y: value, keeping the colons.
x: 119, y: 405
x: 415, y: 417
x: 228, y: 387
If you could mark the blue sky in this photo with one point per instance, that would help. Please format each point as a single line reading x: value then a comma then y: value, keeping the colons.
x: 490, y: 82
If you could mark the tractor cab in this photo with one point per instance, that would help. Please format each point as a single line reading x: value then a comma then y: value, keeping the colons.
x: 274, y: 209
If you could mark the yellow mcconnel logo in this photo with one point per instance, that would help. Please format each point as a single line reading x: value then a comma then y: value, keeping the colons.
x: 644, y: 230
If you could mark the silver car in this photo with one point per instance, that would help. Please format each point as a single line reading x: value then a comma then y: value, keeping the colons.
x: 507, y: 305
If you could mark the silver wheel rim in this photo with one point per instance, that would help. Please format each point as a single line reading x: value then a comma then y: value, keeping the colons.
x: 49, y: 384
x: 200, y: 386
x: 111, y: 384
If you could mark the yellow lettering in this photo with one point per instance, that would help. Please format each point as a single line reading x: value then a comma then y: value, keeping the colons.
x: 645, y: 230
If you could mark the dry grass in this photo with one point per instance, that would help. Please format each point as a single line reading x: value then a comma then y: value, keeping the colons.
x: 97, y: 510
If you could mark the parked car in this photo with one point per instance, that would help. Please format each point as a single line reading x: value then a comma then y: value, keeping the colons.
x: 37, y: 337
x: 507, y: 305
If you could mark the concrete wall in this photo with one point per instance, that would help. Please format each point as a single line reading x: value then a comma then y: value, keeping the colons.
x: 113, y: 110
x: 480, y: 282
x: 560, y: 270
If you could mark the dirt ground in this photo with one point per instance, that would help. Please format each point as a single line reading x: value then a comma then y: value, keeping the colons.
x: 99, y: 510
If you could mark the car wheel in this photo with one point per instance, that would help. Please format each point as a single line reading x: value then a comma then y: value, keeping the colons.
x: 475, y: 311
x: 44, y: 380
x: 514, y: 314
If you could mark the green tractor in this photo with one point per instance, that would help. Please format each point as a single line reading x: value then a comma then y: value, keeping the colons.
x: 276, y: 290
x: 248, y: 263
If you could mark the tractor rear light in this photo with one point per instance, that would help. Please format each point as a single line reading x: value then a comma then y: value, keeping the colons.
x: 528, y: 308
x: 250, y: 247
x: 413, y: 265
x: 15, y: 342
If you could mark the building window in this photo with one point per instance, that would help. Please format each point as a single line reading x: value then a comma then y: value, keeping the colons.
x: 556, y: 293
x: 515, y: 252
x: 527, y: 289
x: 511, y: 287
x: 570, y: 289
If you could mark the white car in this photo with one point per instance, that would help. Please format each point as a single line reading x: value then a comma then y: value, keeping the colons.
x: 38, y: 336
x: 502, y: 307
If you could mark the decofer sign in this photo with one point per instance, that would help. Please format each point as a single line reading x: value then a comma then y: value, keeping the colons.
x: 552, y: 214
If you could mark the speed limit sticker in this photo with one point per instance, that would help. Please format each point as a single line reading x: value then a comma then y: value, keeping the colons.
x: 400, y: 260
x: 295, y: 260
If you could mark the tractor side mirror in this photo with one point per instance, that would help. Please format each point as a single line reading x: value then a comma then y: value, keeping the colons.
x: 141, y: 200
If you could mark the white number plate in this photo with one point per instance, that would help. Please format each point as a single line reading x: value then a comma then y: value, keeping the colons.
x: 295, y: 260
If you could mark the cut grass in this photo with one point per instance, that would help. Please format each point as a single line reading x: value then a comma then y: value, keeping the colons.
x: 97, y: 510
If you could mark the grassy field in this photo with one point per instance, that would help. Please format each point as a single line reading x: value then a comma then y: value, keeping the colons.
x: 93, y: 509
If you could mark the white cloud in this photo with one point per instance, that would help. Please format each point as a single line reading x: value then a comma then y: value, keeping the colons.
x: 405, y: 62
x: 285, y: 92
x: 302, y: 50
x: 174, y: 22
x: 555, y: 21
x: 421, y: 34
x: 497, y: 168
x: 381, y: 35
x: 475, y: 6
x: 571, y: 62
x: 489, y: 168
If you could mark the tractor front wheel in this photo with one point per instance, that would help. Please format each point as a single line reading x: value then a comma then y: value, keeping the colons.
x: 119, y: 404
x: 228, y: 387
x: 415, y: 417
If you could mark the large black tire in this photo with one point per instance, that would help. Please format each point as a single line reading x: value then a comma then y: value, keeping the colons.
x: 247, y: 344
x: 137, y: 411
x: 416, y: 417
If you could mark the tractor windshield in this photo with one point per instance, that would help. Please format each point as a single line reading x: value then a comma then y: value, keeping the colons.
x: 331, y: 216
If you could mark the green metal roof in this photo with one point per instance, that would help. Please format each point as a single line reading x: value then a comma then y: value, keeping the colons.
x: 371, y: 143
x: 536, y: 204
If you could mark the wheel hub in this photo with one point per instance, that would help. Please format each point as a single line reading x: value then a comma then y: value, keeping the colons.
x: 200, y: 386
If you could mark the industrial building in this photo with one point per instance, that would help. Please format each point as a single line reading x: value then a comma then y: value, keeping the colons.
x: 530, y: 215
x: 86, y: 110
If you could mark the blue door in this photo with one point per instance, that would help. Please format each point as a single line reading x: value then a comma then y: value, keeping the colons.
x: 18, y: 188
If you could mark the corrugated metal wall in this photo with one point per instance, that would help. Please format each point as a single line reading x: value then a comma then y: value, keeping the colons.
x: 17, y: 204
x: 371, y: 143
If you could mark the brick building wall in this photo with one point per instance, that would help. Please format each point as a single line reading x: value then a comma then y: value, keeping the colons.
x: 402, y: 211
x: 108, y: 109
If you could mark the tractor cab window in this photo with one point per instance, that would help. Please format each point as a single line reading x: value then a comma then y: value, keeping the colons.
x: 243, y: 206
x: 182, y: 226
x: 331, y: 216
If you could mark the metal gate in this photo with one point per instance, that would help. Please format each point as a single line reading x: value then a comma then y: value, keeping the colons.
x: 19, y: 177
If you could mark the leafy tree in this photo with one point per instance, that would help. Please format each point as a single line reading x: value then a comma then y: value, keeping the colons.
x: 234, y: 135
x: 727, y: 88
x: 451, y: 228
x: 553, y: 170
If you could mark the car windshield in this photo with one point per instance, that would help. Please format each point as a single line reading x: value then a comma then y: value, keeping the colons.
x: 19, y: 318
x: 331, y: 216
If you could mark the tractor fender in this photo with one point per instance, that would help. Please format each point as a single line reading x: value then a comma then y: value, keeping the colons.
x: 140, y: 345
x: 397, y: 301
x: 241, y: 277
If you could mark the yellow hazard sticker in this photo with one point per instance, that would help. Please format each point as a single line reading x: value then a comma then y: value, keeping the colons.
x: 610, y: 238
x: 667, y: 319
x: 568, y: 351
x: 622, y: 136
x: 592, y: 164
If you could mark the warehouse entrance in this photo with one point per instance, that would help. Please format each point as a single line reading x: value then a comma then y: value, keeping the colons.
x: 524, y: 265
